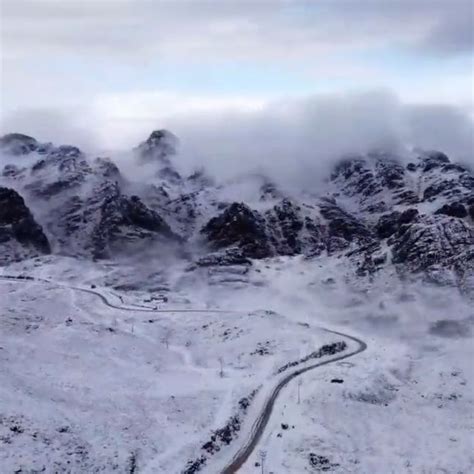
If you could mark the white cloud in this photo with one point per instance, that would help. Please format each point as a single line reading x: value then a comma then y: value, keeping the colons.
x: 242, y: 29
x: 298, y: 140
x: 62, y: 81
x: 66, y: 53
x: 293, y: 140
x: 160, y: 105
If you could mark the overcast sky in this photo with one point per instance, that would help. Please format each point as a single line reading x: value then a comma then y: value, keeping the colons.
x: 108, y: 71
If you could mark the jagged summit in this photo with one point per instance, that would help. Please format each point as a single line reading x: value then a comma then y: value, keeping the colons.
x: 412, y: 213
x: 17, y: 144
x: 160, y: 146
x: 158, y: 149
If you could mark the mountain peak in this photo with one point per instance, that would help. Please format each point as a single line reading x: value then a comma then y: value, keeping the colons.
x: 18, y: 143
x: 160, y: 145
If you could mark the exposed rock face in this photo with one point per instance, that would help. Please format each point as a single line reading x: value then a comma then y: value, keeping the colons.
x: 424, y: 213
x: 443, y: 180
x: 388, y: 224
x: 375, y: 210
x: 438, y: 246
x: 63, y: 168
x: 125, y: 220
x: 454, y: 209
x: 284, y: 229
x: 20, y: 235
x: 239, y: 226
x: 106, y: 223
x: 159, y: 146
x: 89, y: 212
x: 286, y: 223
x: 344, y: 229
x: 158, y: 150
x: 295, y: 228
x: 106, y: 168
x: 431, y: 240
x: 375, y: 182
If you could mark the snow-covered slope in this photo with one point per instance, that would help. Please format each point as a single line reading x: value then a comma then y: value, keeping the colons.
x: 147, y: 322
x: 175, y: 386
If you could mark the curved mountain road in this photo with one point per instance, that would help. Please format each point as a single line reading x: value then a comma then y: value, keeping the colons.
x: 261, y: 422
x: 105, y: 301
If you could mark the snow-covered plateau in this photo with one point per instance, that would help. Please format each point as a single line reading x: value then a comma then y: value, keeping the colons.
x: 158, y: 323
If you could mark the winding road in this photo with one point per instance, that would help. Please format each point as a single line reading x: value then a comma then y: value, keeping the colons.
x: 258, y: 427
x: 261, y: 422
x: 103, y: 298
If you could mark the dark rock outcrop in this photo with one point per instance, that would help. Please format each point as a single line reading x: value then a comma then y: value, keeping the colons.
x: 284, y: 229
x: 388, y: 224
x: 62, y: 169
x: 344, y: 229
x: 455, y: 209
x: 106, y: 222
x: 432, y: 240
x: 241, y: 227
x: 20, y: 235
x: 125, y: 221
x: 374, y: 210
x: 286, y: 223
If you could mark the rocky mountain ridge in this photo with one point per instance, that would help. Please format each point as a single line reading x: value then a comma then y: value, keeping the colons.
x: 375, y: 210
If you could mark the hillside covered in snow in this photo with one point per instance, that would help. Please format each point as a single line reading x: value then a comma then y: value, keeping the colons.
x: 413, y: 213
x: 164, y: 322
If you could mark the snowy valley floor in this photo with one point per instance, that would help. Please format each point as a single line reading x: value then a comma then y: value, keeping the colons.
x: 85, y: 387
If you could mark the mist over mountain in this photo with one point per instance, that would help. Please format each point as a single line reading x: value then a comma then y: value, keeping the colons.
x: 236, y: 236
x: 381, y: 241
x: 299, y: 141
x: 388, y: 207
x: 294, y: 141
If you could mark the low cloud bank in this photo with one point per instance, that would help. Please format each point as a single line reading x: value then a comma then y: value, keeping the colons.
x: 299, y: 140
x: 296, y: 141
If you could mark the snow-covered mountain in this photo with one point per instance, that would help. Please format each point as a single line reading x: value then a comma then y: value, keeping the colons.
x: 149, y: 319
x: 374, y: 210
